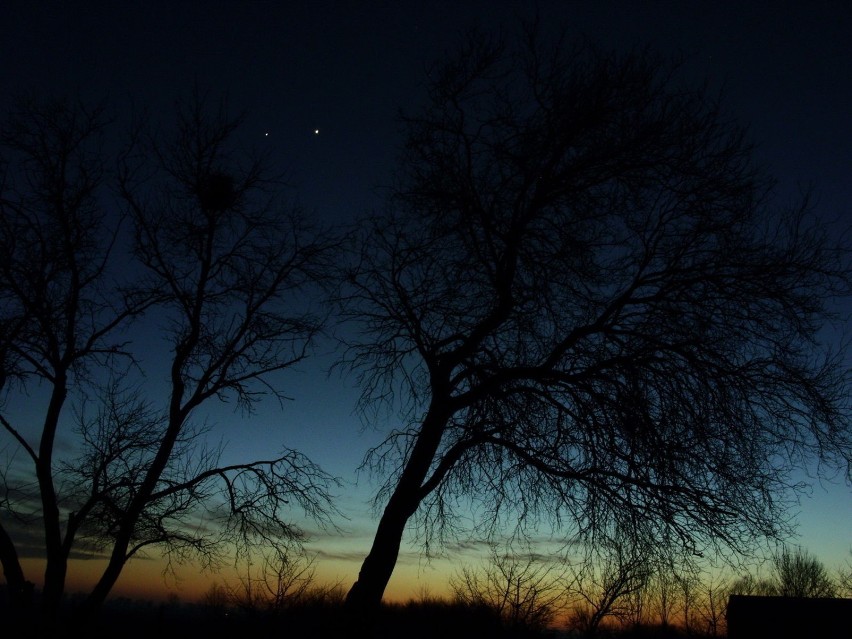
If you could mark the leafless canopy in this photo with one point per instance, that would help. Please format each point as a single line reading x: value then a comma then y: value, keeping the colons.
x: 798, y: 573
x: 525, y: 592
x: 590, y: 308
x: 229, y: 277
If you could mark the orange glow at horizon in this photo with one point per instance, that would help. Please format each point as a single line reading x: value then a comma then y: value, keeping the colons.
x: 147, y: 579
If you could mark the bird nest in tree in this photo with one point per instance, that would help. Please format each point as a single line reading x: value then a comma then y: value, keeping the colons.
x: 216, y: 191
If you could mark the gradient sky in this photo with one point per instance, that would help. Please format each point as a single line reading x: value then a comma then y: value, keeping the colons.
x: 345, y: 68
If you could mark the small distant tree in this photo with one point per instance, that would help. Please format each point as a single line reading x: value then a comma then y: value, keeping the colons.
x: 610, y: 583
x: 274, y: 581
x: 798, y: 573
x: 751, y: 585
x: 844, y: 579
x: 526, y: 593
x: 688, y: 585
x: 216, y: 599
x: 663, y: 592
x: 794, y: 573
x: 711, y: 605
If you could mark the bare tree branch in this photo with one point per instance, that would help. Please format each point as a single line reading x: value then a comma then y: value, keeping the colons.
x: 235, y: 279
x: 585, y: 307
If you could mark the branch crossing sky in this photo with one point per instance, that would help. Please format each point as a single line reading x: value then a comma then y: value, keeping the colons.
x: 321, y: 83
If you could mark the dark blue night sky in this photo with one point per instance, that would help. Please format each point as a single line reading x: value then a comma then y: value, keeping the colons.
x: 344, y: 69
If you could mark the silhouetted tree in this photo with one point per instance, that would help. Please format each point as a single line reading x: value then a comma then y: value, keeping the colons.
x: 751, y: 585
x: 229, y: 274
x: 797, y: 573
x: 588, y: 310
x: 844, y: 579
x: 688, y: 584
x: 611, y: 582
x: 711, y: 606
x: 663, y: 593
x: 216, y: 600
x: 523, y: 590
x: 60, y: 313
x: 274, y: 581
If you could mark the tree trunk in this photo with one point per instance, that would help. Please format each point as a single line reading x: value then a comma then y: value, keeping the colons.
x: 19, y: 590
x: 56, y: 566
x: 89, y: 607
x: 376, y: 571
x: 366, y: 593
x: 118, y: 557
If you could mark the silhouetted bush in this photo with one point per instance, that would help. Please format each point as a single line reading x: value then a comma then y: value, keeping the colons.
x: 320, y: 618
x: 419, y: 620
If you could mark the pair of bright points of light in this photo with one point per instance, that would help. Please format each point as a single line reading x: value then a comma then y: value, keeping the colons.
x: 266, y: 135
